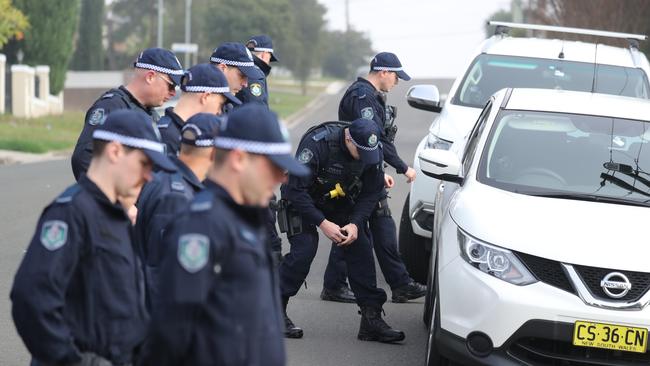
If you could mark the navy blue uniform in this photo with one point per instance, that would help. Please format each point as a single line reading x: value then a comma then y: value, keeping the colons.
x: 324, y: 152
x: 362, y: 100
x: 220, y: 304
x: 112, y: 100
x: 160, y: 200
x: 80, y: 287
x: 256, y: 91
x: 170, y: 126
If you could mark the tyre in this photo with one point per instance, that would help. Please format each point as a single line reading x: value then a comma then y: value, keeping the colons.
x: 412, y: 247
x: 434, y: 358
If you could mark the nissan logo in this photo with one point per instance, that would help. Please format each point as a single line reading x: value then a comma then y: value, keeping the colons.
x: 616, y: 285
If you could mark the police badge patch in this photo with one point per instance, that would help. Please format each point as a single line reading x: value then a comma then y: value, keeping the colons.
x: 305, y: 156
x: 256, y: 89
x: 97, y: 117
x: 372, y: 140
x: 367, y: 113
x: 54, y: 234
x: 193, y: 252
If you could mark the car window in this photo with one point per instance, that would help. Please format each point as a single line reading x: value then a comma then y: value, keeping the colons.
x: 474, y: 136
x: 490, y: 73
x: 538, y: 152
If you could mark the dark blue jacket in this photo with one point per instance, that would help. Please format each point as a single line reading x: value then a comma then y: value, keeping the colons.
x: 160, y: 200
x: 257, y: 90
x: 80, y: 287
x: 170, y: 126
x: 112, y: 100
x: 314, y: 151
x: 220, y: 304
x: 362, y: 100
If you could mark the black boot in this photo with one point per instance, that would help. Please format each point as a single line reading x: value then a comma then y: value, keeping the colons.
x: 410, y: 291
x: 341, y: 294
x: 290, y: 330
x: 374, y: 328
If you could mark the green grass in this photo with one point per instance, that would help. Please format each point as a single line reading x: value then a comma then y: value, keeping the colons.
x: 287, y: 100
x: 39, y: 135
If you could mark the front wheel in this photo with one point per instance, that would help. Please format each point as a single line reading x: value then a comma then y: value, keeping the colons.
x: 434, y: 358
x: 412, y: 247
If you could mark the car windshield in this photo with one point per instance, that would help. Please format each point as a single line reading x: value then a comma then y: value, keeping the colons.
x: 490, y: 73
x: 559, y: 154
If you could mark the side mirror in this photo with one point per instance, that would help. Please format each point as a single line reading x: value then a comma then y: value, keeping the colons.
x: 425, y: 97
x: 440, y: 164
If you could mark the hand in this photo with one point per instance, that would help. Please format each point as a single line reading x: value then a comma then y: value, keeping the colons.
x: 410, y: 175
x: 389, y: 182
x: 332, y: 231
x: 352, y: 234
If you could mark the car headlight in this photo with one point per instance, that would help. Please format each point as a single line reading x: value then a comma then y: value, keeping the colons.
x: 497, y: 262
x: 435, y: 142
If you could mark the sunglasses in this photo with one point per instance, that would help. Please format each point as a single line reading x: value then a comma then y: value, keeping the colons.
x: 170, y: 84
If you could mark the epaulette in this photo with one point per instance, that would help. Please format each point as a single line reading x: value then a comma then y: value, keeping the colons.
x: 202, y: 202
x: 164, y: 124
x: 68, y: 194
x: 320, y: 135
x: 361, y: 96
x: 177, y: 183
x: 108, y: 95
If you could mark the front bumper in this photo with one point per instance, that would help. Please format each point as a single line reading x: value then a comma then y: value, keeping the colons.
x: 472, y: 301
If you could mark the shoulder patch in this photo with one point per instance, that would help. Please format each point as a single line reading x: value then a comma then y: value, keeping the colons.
x: 256, y: 89
x: 193, y: 251
x: 305, y: 156
x: 367, y: 113
x: 68, y: 194
x: 97, y: 117
x: 54, y: 234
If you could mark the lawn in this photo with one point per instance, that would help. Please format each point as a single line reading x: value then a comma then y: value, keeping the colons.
x: 52, y: 133
x: 39, y: 135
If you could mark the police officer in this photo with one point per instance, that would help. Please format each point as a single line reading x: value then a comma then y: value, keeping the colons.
x: 261, y: 48
x: 338, y: 198
x: 77, y: 295
x: 205, y: 90
x: 236, y: 62
x: 220, y: 303
x: 365, y: 98
x: 157, y: 72
x: 168, y: 193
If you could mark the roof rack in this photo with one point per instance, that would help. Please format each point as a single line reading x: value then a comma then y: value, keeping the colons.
x: 504, y: 27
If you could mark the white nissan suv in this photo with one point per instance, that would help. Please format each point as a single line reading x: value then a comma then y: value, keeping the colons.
x: 541, y: 252
x: 500, y: 62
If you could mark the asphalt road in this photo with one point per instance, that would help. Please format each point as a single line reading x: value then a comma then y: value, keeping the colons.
x: 330, y: 328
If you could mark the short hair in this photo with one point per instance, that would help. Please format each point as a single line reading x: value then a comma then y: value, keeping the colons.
x: 100, y: 145
x: 220, y: 156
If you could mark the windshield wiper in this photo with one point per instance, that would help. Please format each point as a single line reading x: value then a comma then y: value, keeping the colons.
x: 586, y: 197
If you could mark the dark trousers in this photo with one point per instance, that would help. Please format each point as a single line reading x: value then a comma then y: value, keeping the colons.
x: 357, y: 257
x: 384, y: 242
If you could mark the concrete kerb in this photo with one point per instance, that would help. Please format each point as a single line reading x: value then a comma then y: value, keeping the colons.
x: 8, y: 157
x: 299, y: 117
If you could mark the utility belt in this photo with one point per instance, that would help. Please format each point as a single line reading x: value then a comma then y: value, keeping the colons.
x: 390, y: 128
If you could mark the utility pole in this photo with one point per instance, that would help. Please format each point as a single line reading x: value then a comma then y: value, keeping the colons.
x: 160, y: 23
x: 188, y: 29
x: 347, y: 16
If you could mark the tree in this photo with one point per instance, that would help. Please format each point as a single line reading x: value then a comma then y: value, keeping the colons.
x: 309, y: 23
x: 48, y: 41
x: 345, y: 52
x: 12, y: 22
x: 89, y: 54
x: 596, y: 14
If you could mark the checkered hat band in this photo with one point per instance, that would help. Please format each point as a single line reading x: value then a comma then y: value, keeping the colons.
x: 255, y: 147
x: 262, y: 49
x: 231, y: 62
x: 135, y: 142
x: 198, y: 142
x: 207, y: 89
x: 362, y: 147
x: 164, y: 70
x: 386, y: 68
